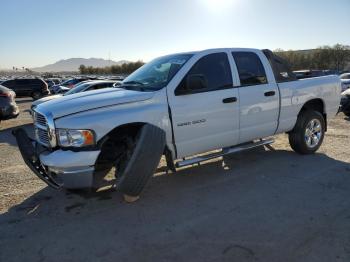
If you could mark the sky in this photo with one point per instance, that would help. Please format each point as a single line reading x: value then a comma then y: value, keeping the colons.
x: 39, y: 32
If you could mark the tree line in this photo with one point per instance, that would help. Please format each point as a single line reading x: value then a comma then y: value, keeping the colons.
x: 123, y: 69
x: 335, y: 57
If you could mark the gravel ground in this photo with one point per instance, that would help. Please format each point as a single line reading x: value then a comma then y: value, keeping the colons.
x: 263, y: 205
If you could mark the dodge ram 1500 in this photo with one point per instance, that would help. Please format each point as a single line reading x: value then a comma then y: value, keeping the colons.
x: 179, y: 106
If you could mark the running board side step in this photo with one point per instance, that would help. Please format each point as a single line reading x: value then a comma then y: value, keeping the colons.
x: 225, y: 151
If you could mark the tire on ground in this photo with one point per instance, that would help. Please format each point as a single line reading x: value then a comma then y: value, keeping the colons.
x: 297, y: 135
x: 36, y: 95
x: 144, y: 160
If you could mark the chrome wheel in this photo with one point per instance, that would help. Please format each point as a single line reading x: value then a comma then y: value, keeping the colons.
x: 313, y: 133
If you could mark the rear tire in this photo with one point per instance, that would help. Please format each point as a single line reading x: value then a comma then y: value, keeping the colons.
x: 36, y: 95
x: 308, y: 133
x: 347, y: 113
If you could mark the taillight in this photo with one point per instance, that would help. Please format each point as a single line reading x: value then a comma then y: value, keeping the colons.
x: 5, y: 95
x: 10, y: 95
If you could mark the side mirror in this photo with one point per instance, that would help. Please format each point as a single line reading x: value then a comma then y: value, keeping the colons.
x: 192, y: 84
x: 196, y: 82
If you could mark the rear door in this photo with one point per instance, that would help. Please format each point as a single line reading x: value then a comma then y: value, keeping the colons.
x: 34, y: 85
x: 205, y: 118
x: 23, y: 87
x: 259, y: 97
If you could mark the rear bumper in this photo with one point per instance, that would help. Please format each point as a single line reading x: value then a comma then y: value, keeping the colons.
x: 58, y: 169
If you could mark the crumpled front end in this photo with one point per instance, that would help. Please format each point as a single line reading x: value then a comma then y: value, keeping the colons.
x: 58, y: 169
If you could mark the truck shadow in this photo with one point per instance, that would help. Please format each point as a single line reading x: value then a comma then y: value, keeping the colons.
x: 238, y: 208
x: 6, y: 136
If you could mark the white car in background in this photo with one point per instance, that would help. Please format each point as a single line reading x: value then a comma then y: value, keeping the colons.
x: 81, y: 87
x: 345, y: 81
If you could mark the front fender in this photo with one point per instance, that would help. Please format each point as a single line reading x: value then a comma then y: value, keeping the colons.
x: 102, y: 121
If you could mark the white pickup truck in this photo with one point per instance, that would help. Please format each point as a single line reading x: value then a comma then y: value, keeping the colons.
x: 178, y: 106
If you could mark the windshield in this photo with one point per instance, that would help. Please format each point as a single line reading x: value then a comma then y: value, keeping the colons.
x: 156, y: 74
x: 78, y: 89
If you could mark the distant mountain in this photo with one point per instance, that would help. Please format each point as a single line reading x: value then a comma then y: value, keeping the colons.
x: 72, y: 64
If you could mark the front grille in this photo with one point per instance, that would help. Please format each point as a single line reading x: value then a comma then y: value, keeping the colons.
x: 41, y: 129
x: 42, y: 136
x: 40, y: 119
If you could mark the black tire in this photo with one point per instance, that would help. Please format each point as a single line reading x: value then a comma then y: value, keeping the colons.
x: 135, y: 156
x: 36, y: 95
x: 137, y: 165
x: 298, y: 137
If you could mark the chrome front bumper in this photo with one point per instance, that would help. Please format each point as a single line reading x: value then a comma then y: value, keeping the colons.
x: 58, y: 169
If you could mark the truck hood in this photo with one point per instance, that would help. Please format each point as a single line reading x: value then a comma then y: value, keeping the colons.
x: 80, y: 102
x: 44, y: 99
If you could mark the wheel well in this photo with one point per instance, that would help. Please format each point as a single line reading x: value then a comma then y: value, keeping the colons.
x: 127, y: 129
x: 316, y: 105
x: 108, y: 144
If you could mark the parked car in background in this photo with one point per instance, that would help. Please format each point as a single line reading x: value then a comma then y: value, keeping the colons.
x: 81, y: 87
x: 331, y: 72
x: 345, y: 81
x: 57, y: 81
x: 50, y: 83
x: 23, y: 87
x: 70, y: 83
x: 86, y: 86
x: 91, y: 85
x: 60, y: 89
x: 119, y: 78
x: 302, y: 74
x: 345, y: 102
x: 8, y: 106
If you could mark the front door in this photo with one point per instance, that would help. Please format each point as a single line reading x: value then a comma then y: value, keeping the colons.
x: 205, y: 107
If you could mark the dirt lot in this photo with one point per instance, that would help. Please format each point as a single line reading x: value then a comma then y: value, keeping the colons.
x: 259, y: 206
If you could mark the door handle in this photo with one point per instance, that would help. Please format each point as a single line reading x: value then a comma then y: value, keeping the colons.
x: 229, y: 100
x: 270, y: 93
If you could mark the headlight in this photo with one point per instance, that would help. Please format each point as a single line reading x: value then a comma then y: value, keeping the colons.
x: 75, y: 138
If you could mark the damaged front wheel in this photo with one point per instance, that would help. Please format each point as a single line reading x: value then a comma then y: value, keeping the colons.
x: 135, y: 156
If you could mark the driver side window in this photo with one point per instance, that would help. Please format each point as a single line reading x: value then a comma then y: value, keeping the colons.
x: 210, y: 73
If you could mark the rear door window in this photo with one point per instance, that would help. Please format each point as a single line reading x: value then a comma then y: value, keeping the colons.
x: 250, y: 69
x: 22, y: 82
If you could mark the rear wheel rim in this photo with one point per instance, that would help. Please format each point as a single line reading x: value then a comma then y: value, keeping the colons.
x: 313, y: 133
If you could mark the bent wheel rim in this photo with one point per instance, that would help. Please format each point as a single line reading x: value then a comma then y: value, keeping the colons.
x: 313, y: 133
